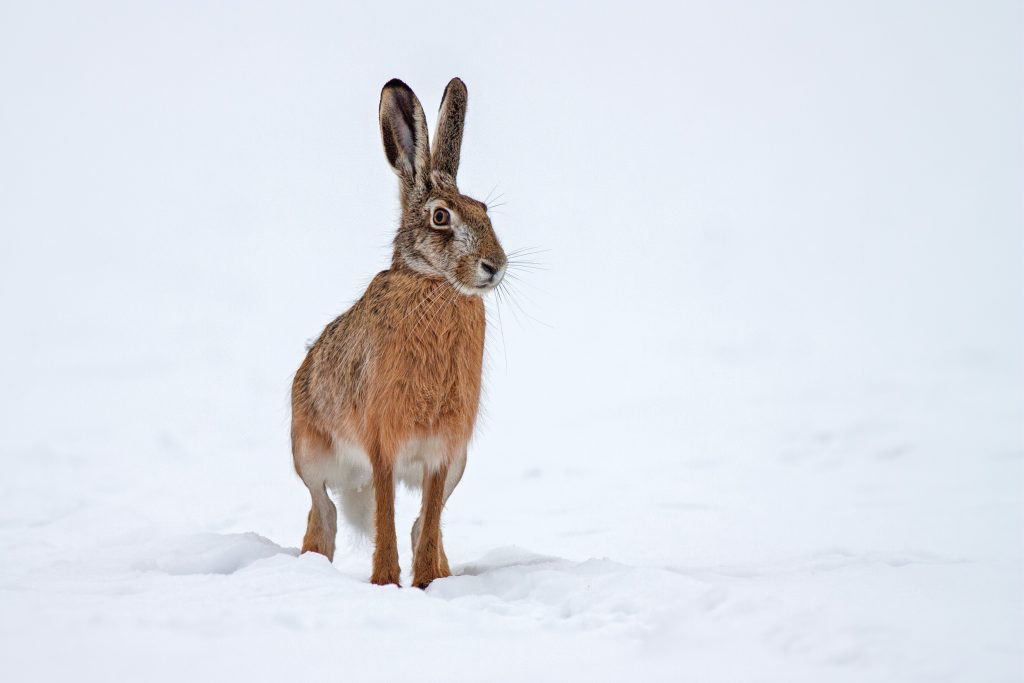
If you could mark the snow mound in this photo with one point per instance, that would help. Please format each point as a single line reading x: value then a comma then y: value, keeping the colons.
x: 211, y: 553
x: 593, y: 593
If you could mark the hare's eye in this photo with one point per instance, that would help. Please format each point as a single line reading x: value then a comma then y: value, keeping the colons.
x: 441, y: 217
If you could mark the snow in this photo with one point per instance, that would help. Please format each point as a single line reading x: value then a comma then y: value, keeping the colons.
x: 760, y: 417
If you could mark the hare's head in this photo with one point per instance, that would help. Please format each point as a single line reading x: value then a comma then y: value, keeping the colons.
x: 444, y: 233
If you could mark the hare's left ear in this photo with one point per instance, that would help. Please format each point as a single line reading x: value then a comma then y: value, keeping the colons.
x: 448, y: 138
x: 403, y: 129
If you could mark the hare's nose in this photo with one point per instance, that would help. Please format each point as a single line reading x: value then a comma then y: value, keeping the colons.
x: 488, y: 267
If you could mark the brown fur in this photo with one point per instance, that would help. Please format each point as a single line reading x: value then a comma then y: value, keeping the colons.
x: 404, y: 363
x: 385, y: 553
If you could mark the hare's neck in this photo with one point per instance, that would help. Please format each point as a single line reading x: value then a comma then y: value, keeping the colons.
x: 414, y: 265
x: 443, y: 319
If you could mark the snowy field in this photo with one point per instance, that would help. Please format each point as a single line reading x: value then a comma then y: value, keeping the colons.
x: 760, y: 417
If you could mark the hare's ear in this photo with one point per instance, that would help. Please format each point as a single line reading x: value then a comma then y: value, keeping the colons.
x: 403, y: 128
x: 448, y: 138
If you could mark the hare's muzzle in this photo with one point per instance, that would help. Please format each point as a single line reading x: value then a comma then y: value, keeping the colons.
x: 490, y: 272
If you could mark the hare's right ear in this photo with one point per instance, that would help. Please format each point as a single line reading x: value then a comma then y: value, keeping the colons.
x: 448, y: 137
x: 403, y: 128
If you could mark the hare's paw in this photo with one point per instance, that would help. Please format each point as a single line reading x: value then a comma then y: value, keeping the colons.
x: 319, y: 541
x: 426, y: 571
x: 386, y: 572
x: 385, y: 579
x: 322, y: 548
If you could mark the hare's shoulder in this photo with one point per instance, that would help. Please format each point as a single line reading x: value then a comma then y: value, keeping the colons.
x: 388, y: 298
x: 391, y: 289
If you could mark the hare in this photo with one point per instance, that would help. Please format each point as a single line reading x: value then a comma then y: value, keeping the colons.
x: 390, y: 389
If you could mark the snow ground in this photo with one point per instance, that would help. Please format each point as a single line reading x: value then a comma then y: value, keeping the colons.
x: 761, y: 418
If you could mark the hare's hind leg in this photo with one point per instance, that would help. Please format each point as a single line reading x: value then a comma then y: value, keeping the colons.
x: 322, y: 524
x: 427, y: 559
x: 310, y: 451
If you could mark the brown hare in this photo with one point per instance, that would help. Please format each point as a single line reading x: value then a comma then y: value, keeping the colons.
x: 390, y: 389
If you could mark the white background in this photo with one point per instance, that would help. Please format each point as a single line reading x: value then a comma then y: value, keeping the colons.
x: 758, y: 418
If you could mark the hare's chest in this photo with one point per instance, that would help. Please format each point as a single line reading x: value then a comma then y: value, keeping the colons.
x: 431, y: 372
x: 442, y: 372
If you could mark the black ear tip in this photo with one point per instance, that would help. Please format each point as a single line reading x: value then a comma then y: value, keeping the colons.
x: 396, y: 83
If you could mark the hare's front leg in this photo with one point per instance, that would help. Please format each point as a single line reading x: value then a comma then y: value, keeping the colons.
x: 385, y: 552
x: 427, y: 560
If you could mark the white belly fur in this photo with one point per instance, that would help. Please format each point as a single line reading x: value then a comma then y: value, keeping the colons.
x: 349, y: 477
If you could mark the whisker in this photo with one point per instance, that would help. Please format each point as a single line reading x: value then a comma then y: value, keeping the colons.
x: 501, y: 329
x: 429, y: 312
x: 430, y: 296
x: 520, y: 307
x: 524, y: 281
x: 502, y: 286
x: 513, y: 268
x: 447, y: 298
x: 521, y: 292
x: 528, y: 251
x: 488, y: 198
